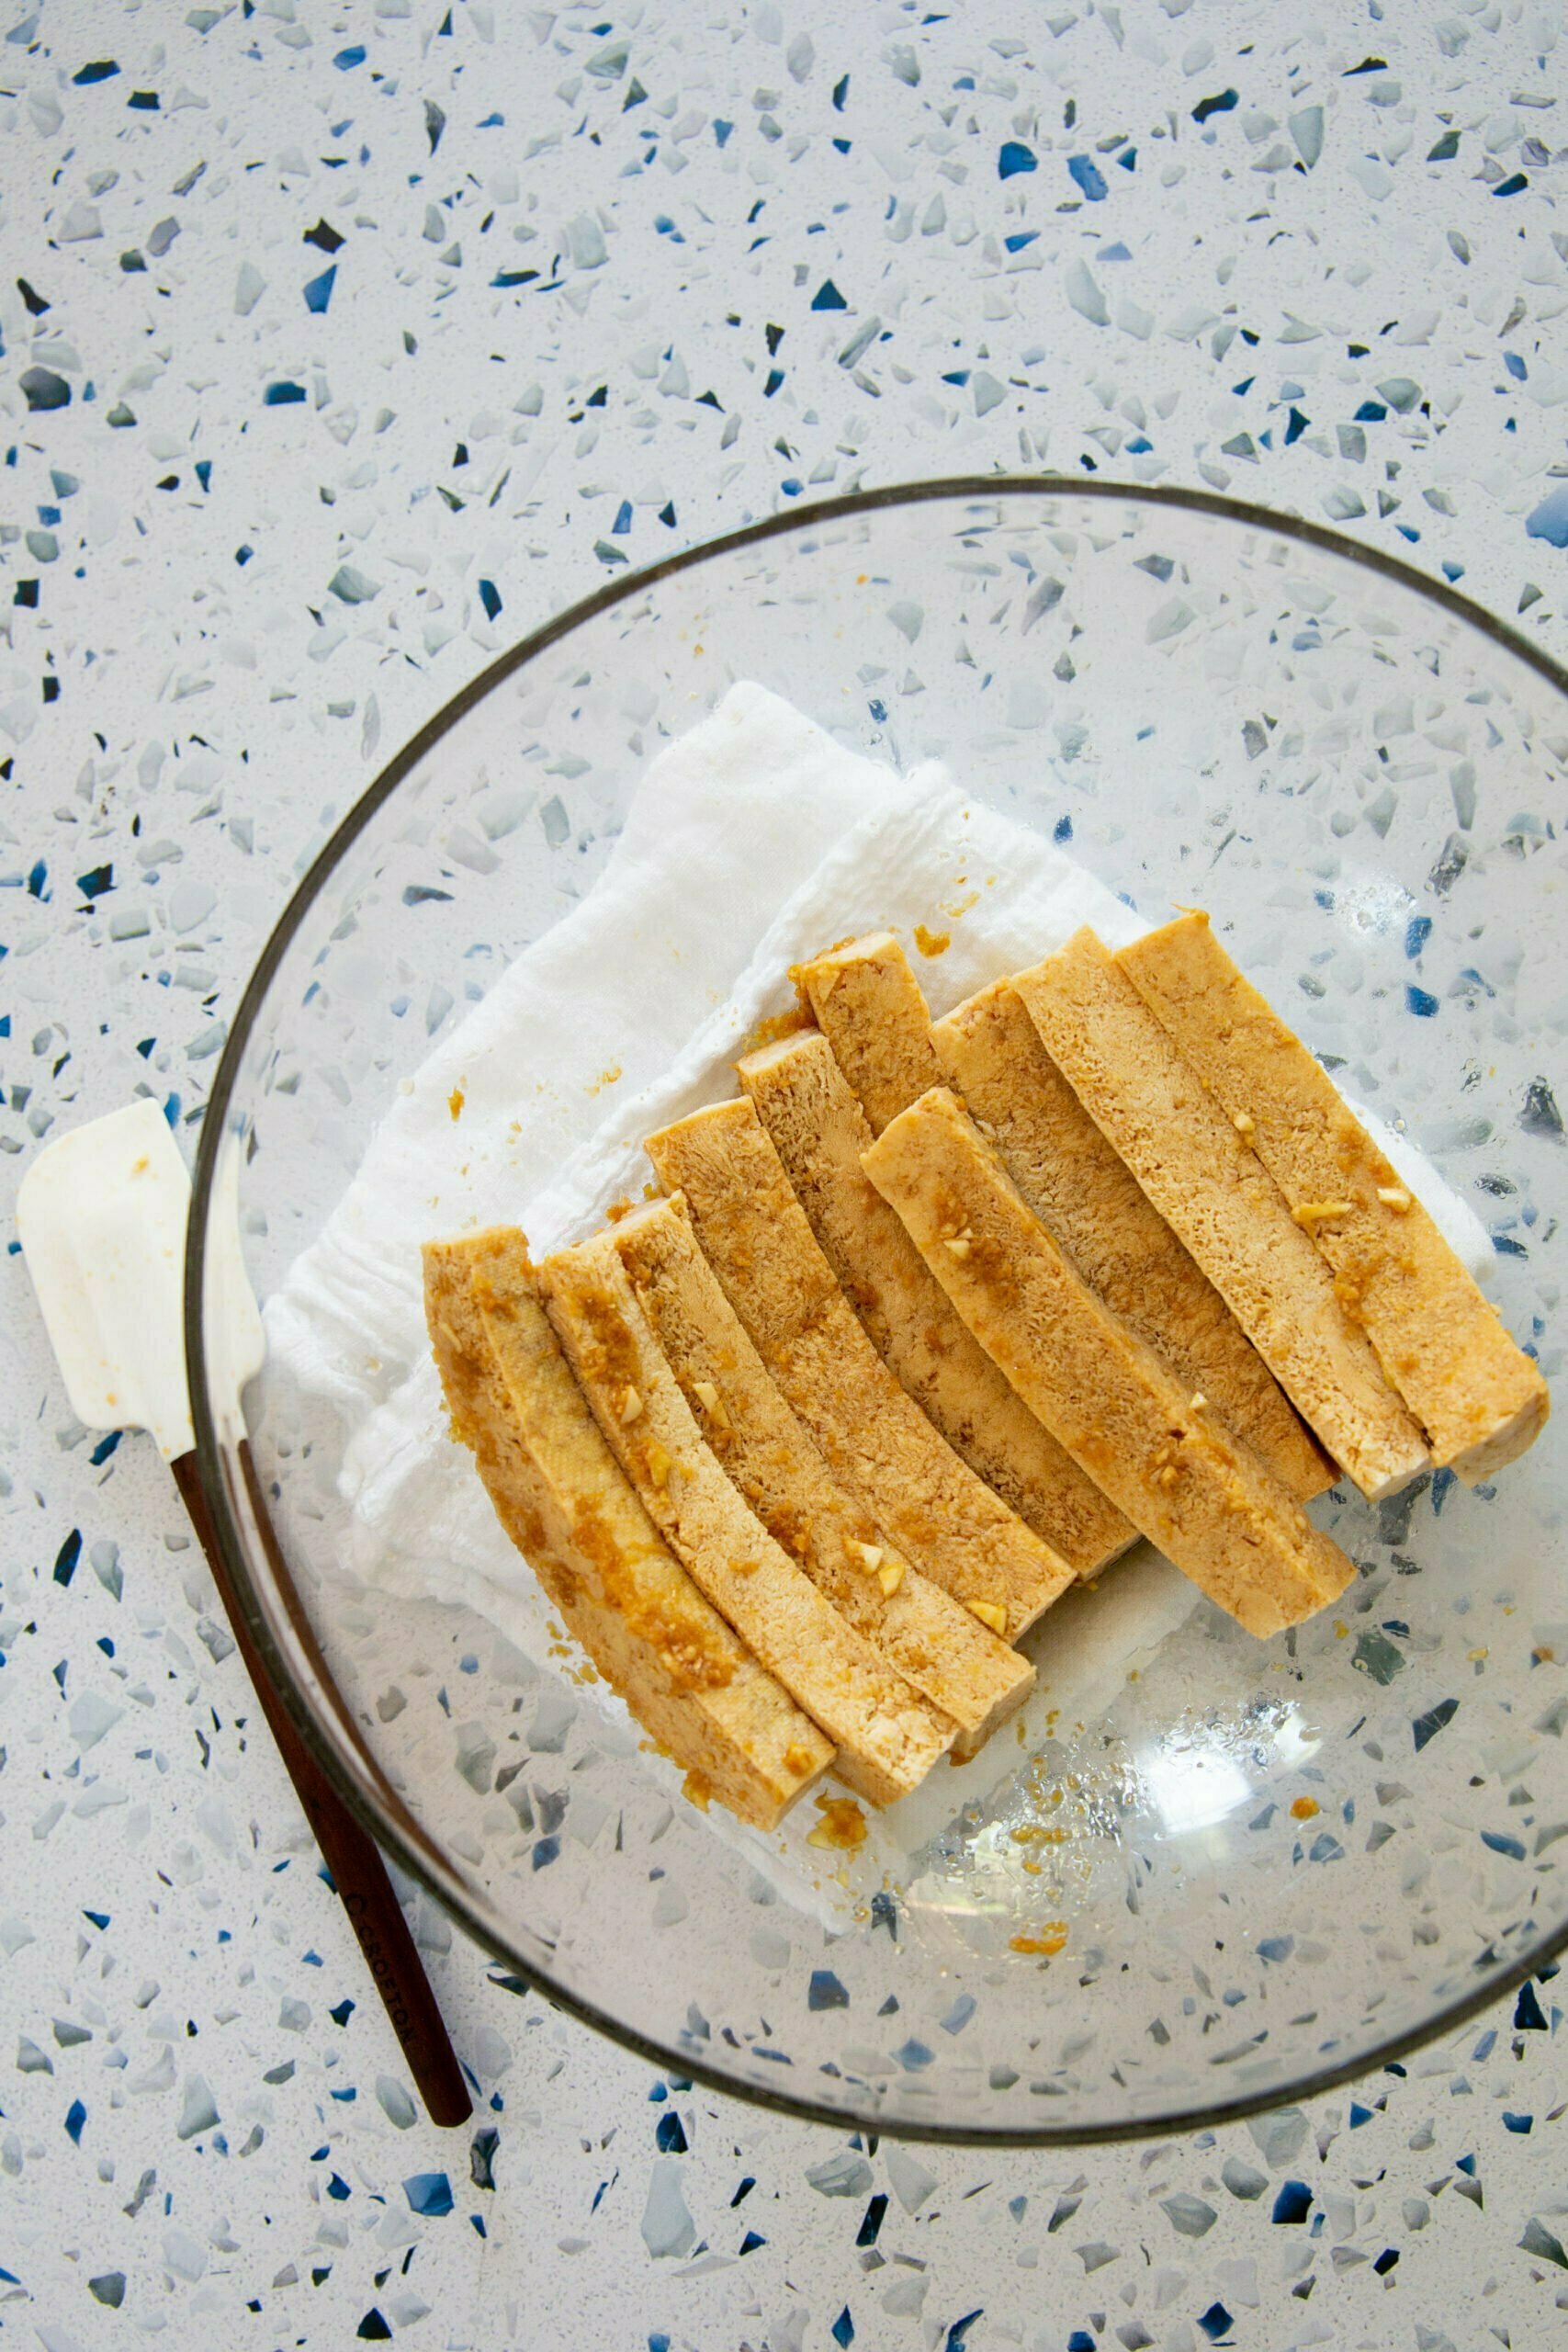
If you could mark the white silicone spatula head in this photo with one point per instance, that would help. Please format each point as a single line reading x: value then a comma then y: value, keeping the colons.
x: 101, y: 1217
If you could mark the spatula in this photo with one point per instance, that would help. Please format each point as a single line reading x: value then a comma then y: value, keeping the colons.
x: 101, y: 1215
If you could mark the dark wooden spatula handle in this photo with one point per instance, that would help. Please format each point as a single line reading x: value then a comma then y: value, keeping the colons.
x: 351, y: 1855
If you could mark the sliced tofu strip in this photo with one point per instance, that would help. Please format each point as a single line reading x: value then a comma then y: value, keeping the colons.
x: 1203, y: 1180
x: 928, y: 1636
x: 873, y: 1011
x: 1082, y: 1191
x: 562, y: 1497
x: 1440, y: 1341
x: 819, y: 1131
x: 887, y: 1736
x: 1193, y: 1487
x: 876, y: 1440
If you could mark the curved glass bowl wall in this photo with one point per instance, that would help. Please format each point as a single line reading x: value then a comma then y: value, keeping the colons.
x: 1276, y: 1862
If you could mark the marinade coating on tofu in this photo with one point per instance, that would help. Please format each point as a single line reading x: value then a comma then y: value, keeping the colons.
x: 887, y: 1735
x: 1078, y: 1186
x: 1441, y: 1343
x: 819, y: 1130
x: 872, y: 1011
x: 877, y: 1442
x: 1146, y: 1097
x: 1185, y: 1480
x: 563, y: 1500
x: 769, y: 1455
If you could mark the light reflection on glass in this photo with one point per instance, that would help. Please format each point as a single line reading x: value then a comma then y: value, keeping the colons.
x: 1202, y: 1781
x: 1193, y: 1789
x: 1366, y: 900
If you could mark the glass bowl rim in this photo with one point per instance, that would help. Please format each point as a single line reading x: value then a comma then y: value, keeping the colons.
x: 370, y: 1796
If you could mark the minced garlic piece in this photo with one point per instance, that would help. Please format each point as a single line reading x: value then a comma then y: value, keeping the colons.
x: 1244, y: 1123
x: 868, y: 1554
x: 1313, y: 1213
x: 712, y: 1403
x: 1394, y: 1196
x: 890, y: 1576
x: 631, y: 1405
x: 1198, y: 1402
x: 959, y: 1244
x: 990, y: 1614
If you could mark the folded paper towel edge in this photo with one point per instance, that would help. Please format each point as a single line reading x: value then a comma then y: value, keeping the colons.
x: 317, y: 1321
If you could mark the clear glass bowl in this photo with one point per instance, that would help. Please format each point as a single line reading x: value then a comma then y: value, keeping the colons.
x: 1279, y: 1862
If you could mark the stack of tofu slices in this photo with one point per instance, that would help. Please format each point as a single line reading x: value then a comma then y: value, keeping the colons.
x: 935, y: 1319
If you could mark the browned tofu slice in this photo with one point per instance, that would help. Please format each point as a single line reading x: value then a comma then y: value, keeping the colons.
x: 1479, y: 1397
x: 873, y: 1011
x: 1146, y: 1097
x: 876, y: 1440
x: 563, y: 1500
x: 766, y: 1452
x: 887, y: 1736
x: 1081, y: 1190
x: 1193, y: 1488
x: 819, y: 1131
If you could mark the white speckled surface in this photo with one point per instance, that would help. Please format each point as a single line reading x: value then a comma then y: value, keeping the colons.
x: 286, y: 457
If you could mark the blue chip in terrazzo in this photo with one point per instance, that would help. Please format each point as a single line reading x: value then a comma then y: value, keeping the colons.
x: 1527, y: 2014
x: 429, y: 2193
x: 1436, y: 1719
x: 1088, y: 177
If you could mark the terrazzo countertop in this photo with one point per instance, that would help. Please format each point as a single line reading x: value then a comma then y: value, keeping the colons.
x: 342, y: 345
